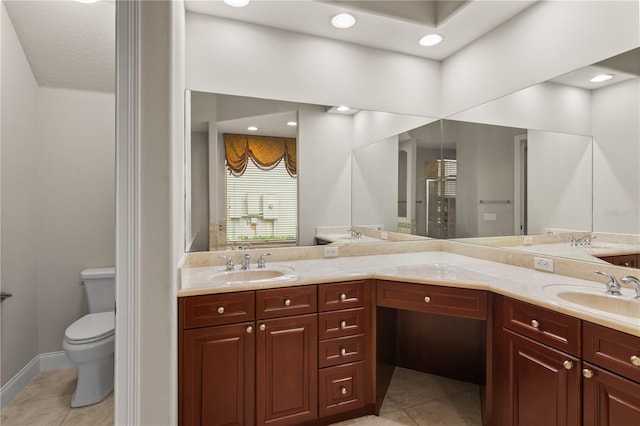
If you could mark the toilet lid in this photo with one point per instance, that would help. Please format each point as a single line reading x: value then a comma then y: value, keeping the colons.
x: 91, y: 326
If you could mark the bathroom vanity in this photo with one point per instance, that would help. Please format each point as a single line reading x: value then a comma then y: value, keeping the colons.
x: 322, y: 348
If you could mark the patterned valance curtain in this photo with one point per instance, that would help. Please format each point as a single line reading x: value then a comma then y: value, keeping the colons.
x: 265, y: 152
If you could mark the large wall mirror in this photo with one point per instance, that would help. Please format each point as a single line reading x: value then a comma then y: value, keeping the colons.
x: 270, y: 204
x: 558, y: 158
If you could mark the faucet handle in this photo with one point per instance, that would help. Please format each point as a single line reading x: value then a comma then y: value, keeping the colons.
x: 261, y: 262
x: 230, y: 264
x: 628, y: 279
x: 613, y: 287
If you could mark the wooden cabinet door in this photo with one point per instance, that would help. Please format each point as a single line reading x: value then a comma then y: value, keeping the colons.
x: 287, y: 370
x: 218, y: 375
x: 544, y: 384
x: 609, y: 399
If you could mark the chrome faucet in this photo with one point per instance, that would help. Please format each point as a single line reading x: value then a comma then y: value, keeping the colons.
x: 261, y: 262
x: 584, y: 241
x: 355, y: 234
x: 246, y: 261
x: 628, y: 279
x: 230, y: 264
x: 613, y: 287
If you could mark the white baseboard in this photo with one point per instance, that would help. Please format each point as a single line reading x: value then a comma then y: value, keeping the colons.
x: 42, y: 362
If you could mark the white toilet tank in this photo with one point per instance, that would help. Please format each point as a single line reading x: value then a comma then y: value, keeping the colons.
x: 100, y: 288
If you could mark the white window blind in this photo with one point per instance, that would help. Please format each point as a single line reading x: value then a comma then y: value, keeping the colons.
x: 262, y: 205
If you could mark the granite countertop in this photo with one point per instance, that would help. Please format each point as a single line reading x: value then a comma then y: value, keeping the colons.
x: 430, y: 267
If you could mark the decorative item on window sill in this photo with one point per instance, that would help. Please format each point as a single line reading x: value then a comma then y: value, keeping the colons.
x: 266, y: 152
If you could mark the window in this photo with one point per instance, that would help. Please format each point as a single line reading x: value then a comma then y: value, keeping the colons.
x: 262, y: 205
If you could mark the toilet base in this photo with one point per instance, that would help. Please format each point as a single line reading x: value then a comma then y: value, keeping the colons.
x: 95, y: 382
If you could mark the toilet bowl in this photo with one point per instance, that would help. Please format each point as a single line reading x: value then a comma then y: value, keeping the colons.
x: 90, y: 341
x: 89, y: 344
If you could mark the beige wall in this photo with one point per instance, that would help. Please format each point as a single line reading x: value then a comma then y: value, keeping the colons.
x: 19, y: 314
x: 76, y: 202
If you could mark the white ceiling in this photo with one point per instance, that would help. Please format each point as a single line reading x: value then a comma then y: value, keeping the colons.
x: 68, y: 44
x: 72, y: 45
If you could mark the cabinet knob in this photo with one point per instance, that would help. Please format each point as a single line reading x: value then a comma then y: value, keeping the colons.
x: 535, y: 323
x: 343, y: 390
x: 343, y: 351
x: 249, y: 329
x: 627, y: 264
x: 287, y: 302
x: 221, y: 309
x: 263, y: 327
x: 587, y: 373
x: 343, y: 297
x: 568, y: 365
x: 343, y: 324
x: 427, y: 299
x: 635, y: 360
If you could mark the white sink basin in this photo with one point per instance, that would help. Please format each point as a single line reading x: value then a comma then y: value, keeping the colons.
x: 251, y: 276
x: 595, y: 298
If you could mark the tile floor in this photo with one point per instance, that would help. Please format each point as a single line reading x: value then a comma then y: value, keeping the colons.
x: 413, y: 398
x: 420, y: 399
x: 46, y: 400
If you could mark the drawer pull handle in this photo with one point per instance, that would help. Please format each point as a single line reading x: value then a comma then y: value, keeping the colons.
x: 263, y: 327
x: 343, y: 324
x: 343, y: 351
x: 635, y: 360
x: 568, y: 365
x: 249, y: 329
x: 343, y: 297
x: 221, y: 309
x: 535, y: 323
x: 587, y: 373
x: 343, y: 390
x: 287, y: 302
x: 427, y: 299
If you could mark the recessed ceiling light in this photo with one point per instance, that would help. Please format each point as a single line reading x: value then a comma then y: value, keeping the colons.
x: 343, y: 20
x: 252, y: 128
x: 601, y: 78
x: 343, y: 108
x: 430, y: 40
x: 237, y: 3
x: 291, y: 123
x: 87, y: 1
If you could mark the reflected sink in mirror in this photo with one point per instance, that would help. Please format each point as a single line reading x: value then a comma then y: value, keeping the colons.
x: 251, y: 276
x: 596, y: 299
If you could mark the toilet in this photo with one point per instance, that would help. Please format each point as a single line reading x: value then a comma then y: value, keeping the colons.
x: 89, y: 341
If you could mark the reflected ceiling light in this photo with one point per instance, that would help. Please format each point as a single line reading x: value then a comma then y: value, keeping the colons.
x: 343, y: 20
x: 237, y: 3
x: 291, y: 123
x: 252, y: 128
x: 343, y: 108
x: 430, y: 40
x: 600, y: 78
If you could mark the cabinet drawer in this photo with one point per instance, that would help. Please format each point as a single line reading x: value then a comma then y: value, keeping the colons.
x: 341, y: 388
x: 341, y: 323
x: 554, y: 329
x: 458, y: 302
x: 340, y: 296
x: 216, y: 309
x: 611, y: 349
x: 278, y: 302
x: 341, y: 350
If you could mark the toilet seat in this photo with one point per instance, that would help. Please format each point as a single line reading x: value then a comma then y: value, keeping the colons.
x: 90, y: 328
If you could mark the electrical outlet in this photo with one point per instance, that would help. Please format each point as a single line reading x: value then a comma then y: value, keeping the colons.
x: 543, y: 264
x: 528, y: 240
x: 383, y: 235
x: 330, y: 251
